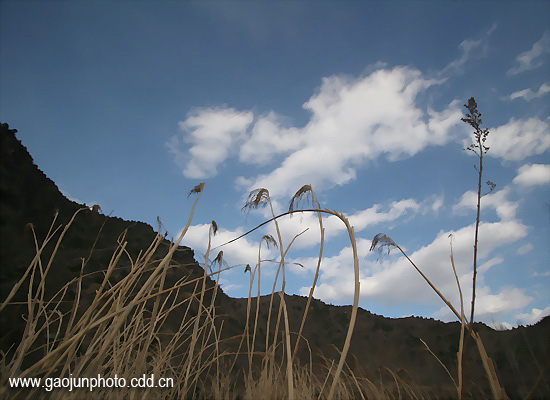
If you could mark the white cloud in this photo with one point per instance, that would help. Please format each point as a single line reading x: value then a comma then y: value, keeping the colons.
x: 505, y: 209
x: 529, y: 94
x: 437, y: 203
x: 360, y: 220
x: 354, y: 121
x: 228, y: 287
x: 533, y: 58
x: 371, y: 216
x: 506, y: 300
x: 337, y: 267
x: 486, y: 266
x: 525, y: 249
x: 502, y: 326
x: 490, y: 307
x: 467, y: 48
x: 268, y: 138
x: 541, y: 274
x: 212, y: 133
x: 76, y: 199
x: 534, y: 316
x: 242, y: 251
x: 394, y: 280
x: 173, y: 145
x: 519, y: 139
x: 533, y: 174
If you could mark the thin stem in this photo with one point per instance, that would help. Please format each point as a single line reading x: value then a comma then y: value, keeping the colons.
x: 477, y: 229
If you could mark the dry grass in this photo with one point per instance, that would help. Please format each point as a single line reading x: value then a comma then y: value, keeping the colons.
x: 120, y: 328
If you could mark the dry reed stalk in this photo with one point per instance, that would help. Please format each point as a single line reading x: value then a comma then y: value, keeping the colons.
x: 439, y: 361
x: 269, y: 241
x: 32, y: 264
x: 246, y: 332
x: 382, y: 240
x: 212, y: 308
x: 119, y: 316
x: 473, y: 118
x: 212, y: 231
x: 305, y: 191
x: 460, y: 354
x: 496, y: 390
x: 135, y: 335
x: 288, y: 350
x: 256, y: 198
x: 30, y: 334
x: 282, y: 310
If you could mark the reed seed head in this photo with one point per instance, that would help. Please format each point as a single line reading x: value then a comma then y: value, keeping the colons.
x: 214, y: 228
x: 491, y: 185
x: 380, y: 241
x: 269, y: 241
x: 256, y: 198
x: 196, y: 189
x: 305, y: 193
x: 219, y: 259
x: 473, y: 118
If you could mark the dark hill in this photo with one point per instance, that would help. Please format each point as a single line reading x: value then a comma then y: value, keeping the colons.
x: 27, y: 195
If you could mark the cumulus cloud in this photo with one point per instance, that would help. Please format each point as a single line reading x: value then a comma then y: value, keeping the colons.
x: 437, y: 203
x: 230, y: 288
x: 268, y: 139
x: 491, y: 306
x: 506, y: 300
x: 533, y: 58
x: 519, y: 138
x: 354, y: 121
x: 534, y: 316
x: 529, y: 94
x: 245, y: 250
x: 242, y: 251
x: 76, y: 199
x: 498, y: 201
x: 211, y: 133
x: 533, y: 174
x: 393, y: 280
x: 360, y: 220
x: 525, y: 249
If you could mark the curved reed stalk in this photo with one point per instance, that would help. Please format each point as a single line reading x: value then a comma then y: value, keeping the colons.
x: 269, y: 241
x: 497, y: 391
x: 256, y: 198
x: 460, y: 355
x: 212, y: 231
x: 304, y: 191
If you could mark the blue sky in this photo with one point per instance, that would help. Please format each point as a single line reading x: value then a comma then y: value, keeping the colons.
x: 131, y: 104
